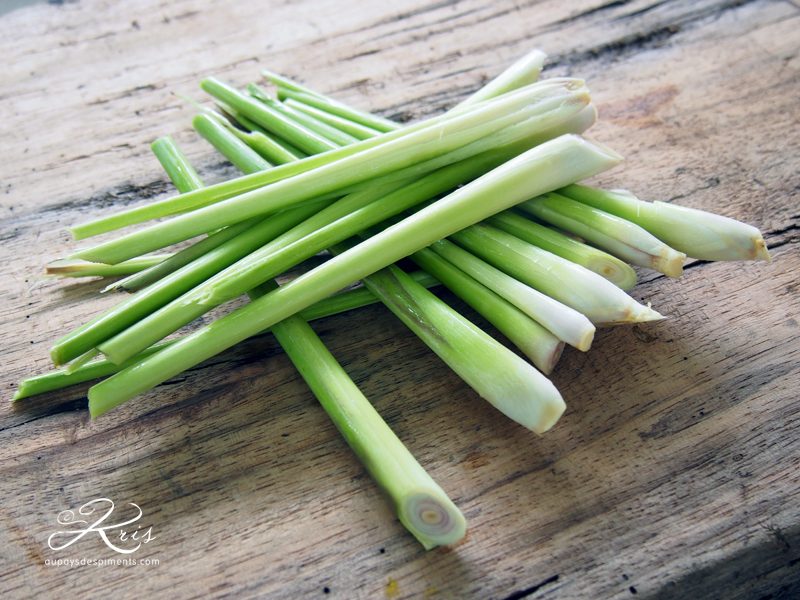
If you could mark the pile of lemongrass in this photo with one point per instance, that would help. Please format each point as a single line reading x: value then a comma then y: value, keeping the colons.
x: 483, y: 199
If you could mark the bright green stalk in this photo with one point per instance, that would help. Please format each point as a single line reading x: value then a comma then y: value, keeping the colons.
x: 584, y: 290
x: 524, y: 71
x: 65, y: 377
x: 337, y: 222
x: 333, y: 107
x: 232, y: 146
x: 268, y: 118
x: 566, y: 323
x: 357, y: 130
x: 548, y: 166
x: 272, y: 150
x: 257, y: 141
x: 696, y: 233
x: 362, y: 153
x: 168, y: 153
x: 422, y: 506
x: 159, y: 293
x: 602, y: 263
x: 81, y: 268
x: 332, y: 134
x: 545, y: 106
x: 619, y: 236
x: 498, y: 375
x: 536, y: 342
x: 181, y: 258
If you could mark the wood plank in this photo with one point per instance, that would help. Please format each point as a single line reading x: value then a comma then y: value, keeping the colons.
x: 674, y: 472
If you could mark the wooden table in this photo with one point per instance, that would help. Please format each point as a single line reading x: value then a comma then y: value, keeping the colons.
x: 674, y: 472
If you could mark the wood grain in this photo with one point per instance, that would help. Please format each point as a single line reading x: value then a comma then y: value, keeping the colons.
x: 674, y: 473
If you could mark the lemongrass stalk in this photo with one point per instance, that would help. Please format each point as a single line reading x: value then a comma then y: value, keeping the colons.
x: 584, y: 290
x: 422, y: 506
x: 618, y: 236
x: 337, y: 222
x: 81, y: 268
x: 168, y: 153
x: 498, y: 375
x: 160, y: 292
x: 333, y: 107
x: 67, y: 376
x: 181, y: 258
x: 363, y: 153
x: 536, y: 342
x: 357, y: 130
x: 262, y: 144
x: 696, y: 233
x: 249, y: 162
x: 341, y: 220
x: 275, y: 152
x: 339, y: 137
x: 544, y: 106
x: 524, y: 71
x: 238, y: 241
x: 548, y: 166
x: 616, y: 271
x: 271, y: 120
x: 566, y: 323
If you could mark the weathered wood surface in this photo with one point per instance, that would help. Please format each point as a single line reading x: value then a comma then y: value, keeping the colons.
x: 674, y: 472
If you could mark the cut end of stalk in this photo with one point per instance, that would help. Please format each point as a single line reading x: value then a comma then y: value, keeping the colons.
x: 433, y: 519
x: 549, y: 415
x: 760, y: 250
x: 20, y: 392
x: 618, y: 273
x: 63, y: 266
x: 553, y: 358
x: 669, y: 262
x: 585, y: 342
x: 637, y: 313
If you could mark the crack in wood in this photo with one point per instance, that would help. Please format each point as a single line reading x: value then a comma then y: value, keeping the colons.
x: 518, y: 595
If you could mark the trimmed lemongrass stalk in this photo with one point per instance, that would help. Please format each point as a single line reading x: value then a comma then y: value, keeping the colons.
x: 67, y: 376
x: 168, y: 153
x: 616, y: 271
x: 566, y: 323
x: 80, y: 268
x: 537, y: 343
x: 422, y: 506
x: 584, y: 290
x: 268, y: 147
x: 249, y: 161
x: 330, y: 133
x: 696, y: 233
x: 161, y: 292
x: 265, y: 116
x: 330, y: 106
x: 337, y: 222
x: 237, y: 241
x: 181, y: 258
x: 498, y: 375
x: 618, y: 236
x: 357, y: 130
x: 548, y: 166
x: 361, y: 156
x: 524, y: 71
